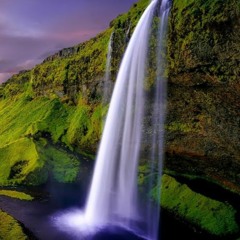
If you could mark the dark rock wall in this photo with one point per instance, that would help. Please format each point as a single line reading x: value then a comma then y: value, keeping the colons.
x: 203, y: 120
x: 203, y: 124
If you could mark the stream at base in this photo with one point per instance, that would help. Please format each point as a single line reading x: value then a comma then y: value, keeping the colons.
x: 37, y: 216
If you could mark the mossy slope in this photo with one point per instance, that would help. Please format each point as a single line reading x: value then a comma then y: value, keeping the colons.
x: 212, y: 216
x: 10, y: 228
x: 204, y: 87
x: 43, y: 133
x: 80, y: 68
x: 53, y: 111
x: 16, y: 194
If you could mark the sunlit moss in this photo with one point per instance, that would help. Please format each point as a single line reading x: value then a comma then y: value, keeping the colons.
x: 26, y: 118
x: 63, y: 166
x: 10, y: 228
x: 203, y: 38
x: 213, y: 216
x: 177, y: 126
x: 17, y: 160
x: 16, y: 194
x: 79, y: 123
x: 95, y: 126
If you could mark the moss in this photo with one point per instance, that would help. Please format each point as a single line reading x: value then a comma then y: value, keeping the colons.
x: 10, y: 228
x: 203, y: 39
x: 18, y: 159
x: 95, y: 125
x: 79, y: 122
x: 177, y: 126
x: 215, y: 217
x: 25, y: 161
x: 65, y: 73
x: 21, y: 118
x: 16, y: 194
x: 85, y: 125
x: 33, y: 130
x: 61, y: 165
x: 143, y: 170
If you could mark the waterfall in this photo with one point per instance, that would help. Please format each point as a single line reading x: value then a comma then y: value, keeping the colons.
x: 113, y: 190
x: 113, y: 197
x: 158, y: 120
x: 107, y: 78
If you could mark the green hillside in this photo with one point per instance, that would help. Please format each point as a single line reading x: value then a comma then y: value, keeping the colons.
x: 54, y: 112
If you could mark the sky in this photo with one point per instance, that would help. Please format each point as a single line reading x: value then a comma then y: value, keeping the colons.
x: 31, y: 30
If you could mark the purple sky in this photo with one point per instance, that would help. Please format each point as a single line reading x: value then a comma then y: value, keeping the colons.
x: 31, y: 30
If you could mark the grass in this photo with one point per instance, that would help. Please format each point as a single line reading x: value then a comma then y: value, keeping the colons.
x: 79, y: 122
x: 85, y: 125
x: 16, y: 194
x: 213, y: 216
x: 17, y: 160
x: 29, y: 162
x: 21, y: 118
x: 10, y: 228
x: 64, y: 167
x: 34, y: 135
x: 203, y: 37
x: 66, y: 74
x: 179, y: 127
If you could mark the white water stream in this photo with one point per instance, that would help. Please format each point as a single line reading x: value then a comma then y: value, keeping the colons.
x: 113, y: 196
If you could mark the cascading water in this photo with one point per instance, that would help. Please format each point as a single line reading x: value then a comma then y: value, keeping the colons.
x: 107, y: 78
x: 113, y: 196
x: 158, y: 120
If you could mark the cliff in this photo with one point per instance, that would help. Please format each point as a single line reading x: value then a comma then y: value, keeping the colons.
x: 53, y: 112
x: 204, y: 84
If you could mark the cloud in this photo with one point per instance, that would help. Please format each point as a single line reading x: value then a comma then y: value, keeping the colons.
x: 32, y: 30
x: 5, y: 76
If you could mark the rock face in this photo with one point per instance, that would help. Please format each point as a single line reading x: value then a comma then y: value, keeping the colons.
x: 203, y: 125
x: 203, y: 122
x: 54, y: 111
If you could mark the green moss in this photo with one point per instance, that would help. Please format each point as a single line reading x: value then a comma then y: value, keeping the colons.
x: 177, y: 126
x: 10, y: 228
x: 95, y: 126
x: 203, y: 39
x: 215, y: 217
x: 66, y: 72
x: 16, y: 194
x: 25, y: 161
x: 143, y: 174
x: 85, y: 125
x: 17, y: 160
x: 63, y: 166
x: 21, y: 118
x: 79, y: 122
x: 54, y: 122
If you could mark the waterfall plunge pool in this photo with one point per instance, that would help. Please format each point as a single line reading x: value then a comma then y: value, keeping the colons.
x: 56, y: 199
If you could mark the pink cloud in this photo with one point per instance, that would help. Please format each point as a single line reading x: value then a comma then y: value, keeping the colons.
x: 5, y: 76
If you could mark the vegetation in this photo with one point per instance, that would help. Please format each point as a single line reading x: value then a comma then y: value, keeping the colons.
x: 203, y: 34
x: 18, y: 159
x: 215, y: 217
x: 23, y: 118
x: 16, y: 194
x: 55, y: 109
x: 62, y: 166
x: 77, y: 69
x: 10, y: 228
x: 29, y: 129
